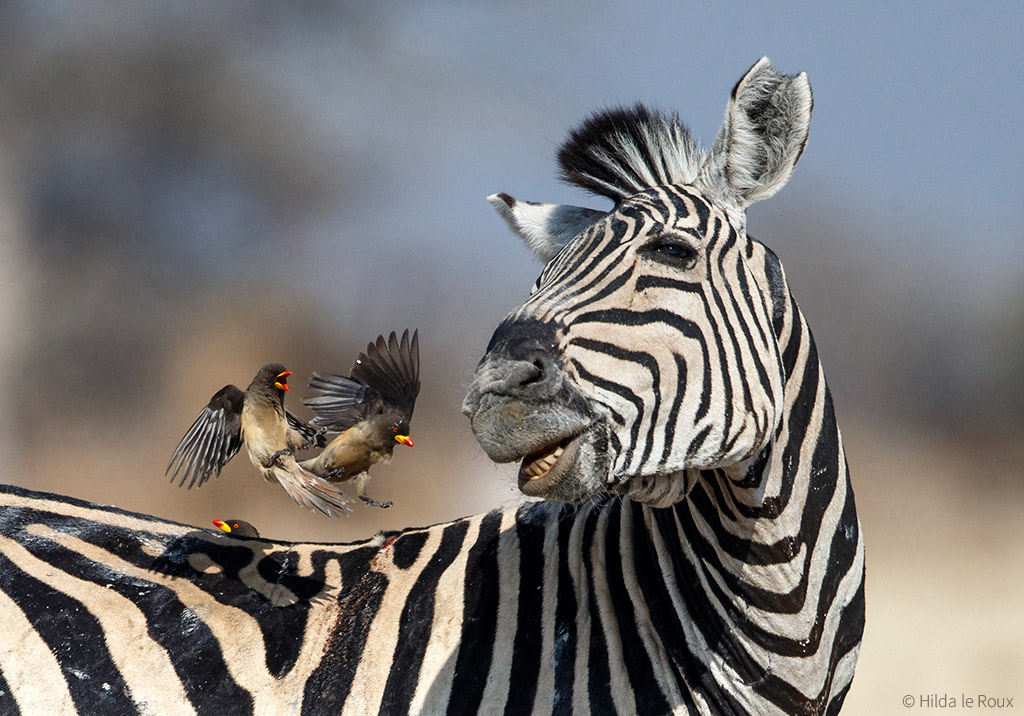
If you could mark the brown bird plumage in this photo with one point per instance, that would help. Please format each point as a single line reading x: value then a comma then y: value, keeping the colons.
x: 371, y: 410
x: 257, y: 418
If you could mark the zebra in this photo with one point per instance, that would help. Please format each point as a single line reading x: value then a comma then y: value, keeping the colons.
x: 661, y: 357
x: 694, y: 548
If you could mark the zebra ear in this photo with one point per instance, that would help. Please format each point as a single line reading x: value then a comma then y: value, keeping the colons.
x: 545, y: 228
x: 765, y: 130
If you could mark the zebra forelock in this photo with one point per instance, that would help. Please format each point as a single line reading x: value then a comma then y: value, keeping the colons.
x: 619, y: 152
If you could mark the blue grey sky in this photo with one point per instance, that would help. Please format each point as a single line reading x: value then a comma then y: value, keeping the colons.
x: 916, y: 116
x: 903, y: 218
x: 915, y: 122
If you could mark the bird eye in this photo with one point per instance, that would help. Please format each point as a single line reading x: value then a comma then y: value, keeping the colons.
x: 234, y: 526
x: 394, y: 429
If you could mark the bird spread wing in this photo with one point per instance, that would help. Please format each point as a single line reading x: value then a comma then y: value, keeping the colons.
x: 393, y: 370
x: 341, y: 402
x: 385, y: 377
x: 310, y: 491
x: 308, y: 435
x: 214, y: 438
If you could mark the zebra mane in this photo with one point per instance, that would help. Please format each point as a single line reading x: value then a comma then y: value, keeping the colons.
x: 624, y: 150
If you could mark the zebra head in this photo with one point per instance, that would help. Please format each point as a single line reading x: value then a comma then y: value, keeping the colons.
x: 647, y: 350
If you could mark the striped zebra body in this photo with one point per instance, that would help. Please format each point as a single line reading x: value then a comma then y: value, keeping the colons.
x: 697, y: 550
x: 548, y: 609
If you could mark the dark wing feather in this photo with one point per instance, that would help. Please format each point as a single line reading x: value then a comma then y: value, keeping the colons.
x: 393, y: 370
x: 342, y: 402
x: 214, y: 438
x: 310, y: 435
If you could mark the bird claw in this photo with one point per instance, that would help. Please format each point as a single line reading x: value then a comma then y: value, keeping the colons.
x: 334, y: 474
x: 314, y: 439
x: 276, y: 456
x: 376, y: 503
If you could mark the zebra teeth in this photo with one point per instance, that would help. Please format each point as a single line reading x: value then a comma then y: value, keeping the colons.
x: 540, y: 464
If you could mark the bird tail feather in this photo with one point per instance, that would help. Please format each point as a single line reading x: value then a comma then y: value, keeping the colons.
x: 310, y: 491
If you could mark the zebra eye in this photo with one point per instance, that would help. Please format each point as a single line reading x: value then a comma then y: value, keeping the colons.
x: 673, y: 251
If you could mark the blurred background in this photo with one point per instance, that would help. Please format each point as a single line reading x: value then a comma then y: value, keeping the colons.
x: 189, y: 191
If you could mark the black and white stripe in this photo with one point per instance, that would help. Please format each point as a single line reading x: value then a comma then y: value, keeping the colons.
x: 710, y: 561
x: 668, y: 354
x: 542, y: 609
x: 615, y: 319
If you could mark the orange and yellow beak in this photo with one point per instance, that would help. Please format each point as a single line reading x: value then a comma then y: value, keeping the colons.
x: 282, y: 380
x: 404, y: 439
x: 222, y: 525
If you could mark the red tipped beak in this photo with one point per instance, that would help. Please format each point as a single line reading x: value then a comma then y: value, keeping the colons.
x: 221, y: 524
x: 404, y: 439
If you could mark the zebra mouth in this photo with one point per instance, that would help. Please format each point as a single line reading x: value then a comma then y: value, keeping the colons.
x: 540, y: 463
x: 542, y: 469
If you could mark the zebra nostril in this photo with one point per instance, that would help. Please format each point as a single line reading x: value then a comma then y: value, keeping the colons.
x: 522, y: 375
x: 521, y: 362
x: 531, y: 376
x: 536, y: 375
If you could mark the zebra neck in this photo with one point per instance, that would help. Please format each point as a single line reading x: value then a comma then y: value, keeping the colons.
x: 743, y: 574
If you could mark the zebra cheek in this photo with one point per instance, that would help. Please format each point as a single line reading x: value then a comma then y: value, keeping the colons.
x: 643, y: 300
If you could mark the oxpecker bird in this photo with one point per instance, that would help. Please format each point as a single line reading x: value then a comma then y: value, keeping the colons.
x: 371, y: 410
x: 257, y: 418
x: 237, y: 528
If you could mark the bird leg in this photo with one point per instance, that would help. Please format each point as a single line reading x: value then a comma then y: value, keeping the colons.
x: 334, y: 474
x: 313, y: 439
x: 376, y: 503
x: 274, y: 458
x: 361, y: 481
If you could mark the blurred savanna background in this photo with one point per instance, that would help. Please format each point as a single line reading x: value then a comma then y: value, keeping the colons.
x: 189, y: 191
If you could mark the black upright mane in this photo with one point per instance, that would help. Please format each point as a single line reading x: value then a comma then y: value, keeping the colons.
x: 621, y: 151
